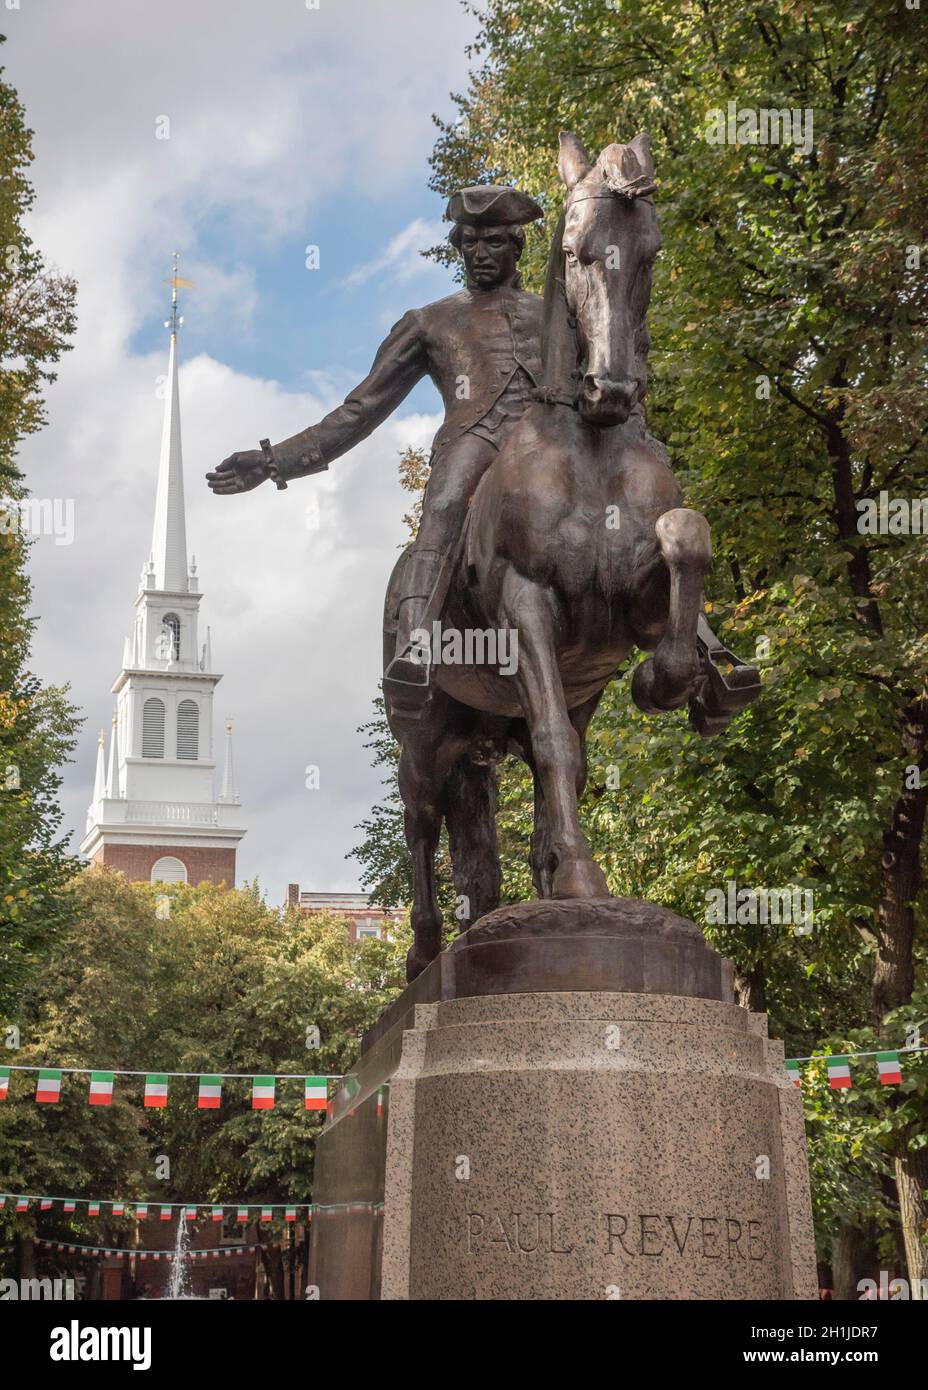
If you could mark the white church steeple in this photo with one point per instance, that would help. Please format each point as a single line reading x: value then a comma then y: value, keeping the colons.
x: 155, y: 814
x: 169, y: 535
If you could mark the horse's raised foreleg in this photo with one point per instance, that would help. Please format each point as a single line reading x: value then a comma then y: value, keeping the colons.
x: 666, y: 680
x: 421, y: 802
x: 557, y: 756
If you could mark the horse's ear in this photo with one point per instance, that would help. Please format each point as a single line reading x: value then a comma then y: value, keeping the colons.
x: 641, y: 145
x: 573, y: 161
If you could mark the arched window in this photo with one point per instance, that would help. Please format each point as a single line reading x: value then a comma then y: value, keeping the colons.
x: 167, y: 869
x: 169, y: 647
x: 153, y: 728
x: 188, y: 729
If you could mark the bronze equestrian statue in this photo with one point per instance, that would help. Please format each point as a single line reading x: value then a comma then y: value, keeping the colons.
x: 575, y: 541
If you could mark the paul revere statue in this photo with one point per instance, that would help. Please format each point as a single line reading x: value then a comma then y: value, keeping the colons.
x: 481, y: 347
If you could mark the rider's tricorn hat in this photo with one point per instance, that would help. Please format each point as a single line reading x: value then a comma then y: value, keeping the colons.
x: 489, y: 205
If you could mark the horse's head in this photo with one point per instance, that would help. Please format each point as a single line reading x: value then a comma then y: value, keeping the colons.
x: 610, y: 239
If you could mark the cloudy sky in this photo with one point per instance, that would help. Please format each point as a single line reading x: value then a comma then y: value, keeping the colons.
x: 288, y: 126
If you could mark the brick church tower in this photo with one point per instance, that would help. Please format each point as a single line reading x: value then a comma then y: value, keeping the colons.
x: 154, y: 814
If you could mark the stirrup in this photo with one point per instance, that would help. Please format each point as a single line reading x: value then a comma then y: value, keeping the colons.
x: 729, y: 685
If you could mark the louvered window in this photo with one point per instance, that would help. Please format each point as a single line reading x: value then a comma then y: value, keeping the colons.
x: 168, y: 870
x: 153, y: 728
x: 188, y: 729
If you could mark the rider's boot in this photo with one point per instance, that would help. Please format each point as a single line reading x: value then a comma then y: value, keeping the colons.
x: 406, y: 679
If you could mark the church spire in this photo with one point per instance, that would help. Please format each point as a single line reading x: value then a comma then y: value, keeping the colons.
x: 169, y: 537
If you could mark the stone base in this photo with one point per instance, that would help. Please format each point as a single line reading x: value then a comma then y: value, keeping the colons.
x: 566, y: 1145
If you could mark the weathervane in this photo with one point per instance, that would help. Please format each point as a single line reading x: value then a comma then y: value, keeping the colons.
x: 177, y: 283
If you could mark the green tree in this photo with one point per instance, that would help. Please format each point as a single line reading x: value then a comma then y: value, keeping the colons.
x: 221, y: 983
x: 37, y: 723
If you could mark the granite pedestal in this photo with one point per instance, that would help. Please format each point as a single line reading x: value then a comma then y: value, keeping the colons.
x: 567, y: 1143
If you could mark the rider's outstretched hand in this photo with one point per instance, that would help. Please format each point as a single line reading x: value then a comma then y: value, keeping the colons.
x: 239, y: 473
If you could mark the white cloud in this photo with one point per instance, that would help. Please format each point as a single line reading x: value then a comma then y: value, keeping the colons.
x: 401, y: 259
x: 273, y: 109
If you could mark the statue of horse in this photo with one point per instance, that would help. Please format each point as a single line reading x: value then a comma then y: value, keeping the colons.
x: 576, y: 550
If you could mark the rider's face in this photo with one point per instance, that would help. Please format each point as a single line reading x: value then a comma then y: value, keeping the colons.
x: 490, y: 255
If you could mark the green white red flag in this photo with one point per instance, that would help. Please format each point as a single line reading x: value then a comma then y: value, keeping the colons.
x: 217, y: 1213
x: 242, y: 1214
x: 45, y: 1204
x: 889, y: 1068
x: 794, y: 1074
x: 316, y: 1092
x: 101, y: 1088
x: 839, y: 1073
x: 93, y: 1208
x: 22, y: 1204
x: 4, y: 1082
x: 119, y: 1208
x: 267, y: 1214
x: 141, y: 1212
x: 262, y: 1092
x: 156, y: 1091
x: 48, y: 1086
x: 289, y: 1213
x: 166, y: 1213
x: 70, y: 1205
x: 190, y: 1213
x: 209, y: 1095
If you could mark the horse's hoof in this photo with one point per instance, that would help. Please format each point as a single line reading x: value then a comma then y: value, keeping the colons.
x: 654, y: 694
x: 579, y: 878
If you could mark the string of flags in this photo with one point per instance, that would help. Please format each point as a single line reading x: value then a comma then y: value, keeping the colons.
x: 155, y: 1093
x: 162, y: 1211
x: 838, y: 1066
x: 102, y: 1250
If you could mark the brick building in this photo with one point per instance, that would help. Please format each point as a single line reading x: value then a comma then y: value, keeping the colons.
x: 366, y: 919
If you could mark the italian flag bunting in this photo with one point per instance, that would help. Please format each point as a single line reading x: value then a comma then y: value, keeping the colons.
x: 210, y: 1093
x: 289, y: 1213
x: 22, y: 1203
x: 45, y: 1204
x: 267, y: 1214
x: 119, y: 1208
x: 141, y: 1212
x: 316, y: 1092
x: 69, y: 1205
x: 2, y: 1200
x: 889, y: 1068
x: 242, y: 1214
x: 156, y: 1091
x: 262, y: 1092
x: 4, y: 1082
x: 48, y: 1086
x: 839, y: 1073
x: 101, y: 1088
x: 166, y: 1213
x: 190, y: 1213
x: 93, y: 1208
x: 217, y: 1213
x: 794, y: 1074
